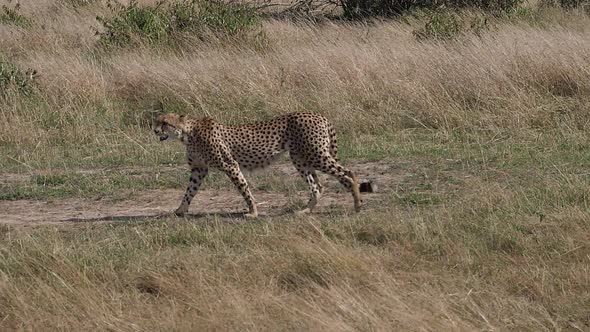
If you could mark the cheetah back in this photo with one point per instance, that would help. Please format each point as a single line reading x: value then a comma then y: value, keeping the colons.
x: 258, y: 144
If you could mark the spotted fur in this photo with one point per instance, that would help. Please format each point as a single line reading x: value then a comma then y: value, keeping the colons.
x: 308, y: 137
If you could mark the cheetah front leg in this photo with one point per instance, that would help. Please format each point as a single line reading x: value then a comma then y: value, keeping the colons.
x: 233, y: 171
x: 197, y: 176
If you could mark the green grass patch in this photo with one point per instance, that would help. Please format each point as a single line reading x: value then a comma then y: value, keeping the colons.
x: 140, y: 148
x: 12, y: 16
x: 111, y: 184
x: 417, y: 198
x: 120, y: 184
x: 15, y: 79
x: 164, y: 22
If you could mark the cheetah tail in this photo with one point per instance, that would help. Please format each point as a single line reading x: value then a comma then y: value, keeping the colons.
x: 333, y: 142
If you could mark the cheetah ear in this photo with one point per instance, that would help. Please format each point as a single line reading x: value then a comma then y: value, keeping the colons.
x: 173, y: 120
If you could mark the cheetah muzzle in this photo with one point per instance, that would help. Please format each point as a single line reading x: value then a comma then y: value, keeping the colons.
x: 309, y: 138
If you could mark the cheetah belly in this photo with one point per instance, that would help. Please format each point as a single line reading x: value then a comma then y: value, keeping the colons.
x: 258, y: 146
x: 255, y: 161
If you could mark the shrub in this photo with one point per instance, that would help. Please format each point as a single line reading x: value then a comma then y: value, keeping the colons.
x: 442, y: 25
x: 12, y: 16
x: 149, y: 23
x: 364, y: 8
x: 164, y: 21
x: 13, y: 78
x: 567, y: 4
x: 229, y: 19
x: 574, y: 3
x: 490, y: 5
x: 447, y: 25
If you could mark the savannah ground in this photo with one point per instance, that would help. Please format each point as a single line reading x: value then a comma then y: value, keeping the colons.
x: 478, y: 141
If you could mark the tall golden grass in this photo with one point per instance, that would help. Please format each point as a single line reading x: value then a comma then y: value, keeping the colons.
x: 368, y: 78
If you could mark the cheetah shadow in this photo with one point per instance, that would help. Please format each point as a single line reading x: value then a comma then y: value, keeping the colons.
x: 230, y: 216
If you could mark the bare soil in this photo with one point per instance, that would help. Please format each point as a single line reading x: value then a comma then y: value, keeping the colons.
x: 225, y: 203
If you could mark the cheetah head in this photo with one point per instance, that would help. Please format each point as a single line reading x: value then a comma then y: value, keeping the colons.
x: 169, y: 126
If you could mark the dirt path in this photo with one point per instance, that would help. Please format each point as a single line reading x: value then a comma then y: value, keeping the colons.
x: 225, y: 203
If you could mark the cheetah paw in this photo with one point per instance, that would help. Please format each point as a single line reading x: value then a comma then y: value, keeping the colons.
x: 180, y: 212
x: 302, y: 212
x: 251, y: 216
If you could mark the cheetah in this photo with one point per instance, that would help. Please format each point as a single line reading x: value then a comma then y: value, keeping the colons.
x: 309, y: 139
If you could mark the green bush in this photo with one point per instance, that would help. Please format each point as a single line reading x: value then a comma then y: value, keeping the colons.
x: 574, y: 3
x: 447, y: 25
x: 166, y: 20
x: 490, y: 5
x: 442, y: 25
x: 228, y: 19
x: 12, y: 16
x: 364, y: 8
x: 567, y: 4
x: 13, y: 78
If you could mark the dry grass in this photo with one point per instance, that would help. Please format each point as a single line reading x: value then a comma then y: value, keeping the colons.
x: 395, y: 269
x: 370, y: 79
x: 507, y: 109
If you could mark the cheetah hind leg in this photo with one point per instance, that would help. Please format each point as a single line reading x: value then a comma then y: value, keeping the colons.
x: 317, y: 181
x: 315, y: 189
x: 346, y: 178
